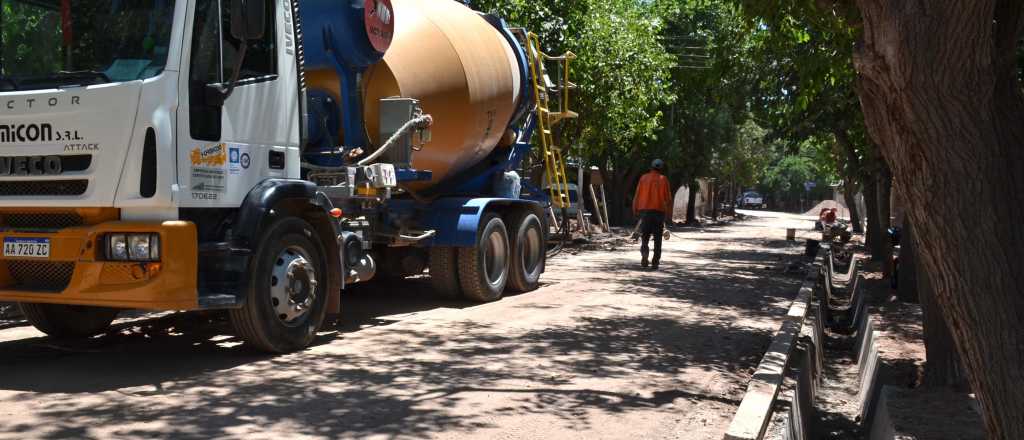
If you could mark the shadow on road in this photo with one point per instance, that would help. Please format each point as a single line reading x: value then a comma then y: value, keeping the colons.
x: 394, y: 391
x: 147, y: 350
x: 184, y: 376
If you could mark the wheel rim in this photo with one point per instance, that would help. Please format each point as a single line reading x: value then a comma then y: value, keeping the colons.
x: 532, y: 251
x: 495, y: 257
x: 293, y: 284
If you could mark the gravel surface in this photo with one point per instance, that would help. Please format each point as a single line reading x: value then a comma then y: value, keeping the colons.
x: 602, y: 350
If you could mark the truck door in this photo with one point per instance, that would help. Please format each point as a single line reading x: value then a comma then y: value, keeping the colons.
x: 228, y: 145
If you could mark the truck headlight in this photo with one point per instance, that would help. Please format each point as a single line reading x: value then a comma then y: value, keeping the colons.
x: 117, y: 247
x: 133, y: 247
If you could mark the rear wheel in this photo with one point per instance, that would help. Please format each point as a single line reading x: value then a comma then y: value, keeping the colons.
x: 68, y: 321
x: 528, y: 253
x: 287, y: 295
x: 444, y: 272
x: 483, y: 269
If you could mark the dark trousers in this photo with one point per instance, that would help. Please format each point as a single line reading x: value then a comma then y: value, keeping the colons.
x: 652, y: 223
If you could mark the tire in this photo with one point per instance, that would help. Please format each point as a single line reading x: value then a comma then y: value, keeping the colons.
x: 528, y: 254
x: 483, y: 269
x: 444, y: 272
x: 288, y: 251
x: 68, y: 321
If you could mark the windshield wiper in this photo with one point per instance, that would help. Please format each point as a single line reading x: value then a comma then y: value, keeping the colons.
x: 95, y: 75
x: 7, y: 80
x: 69, y: 78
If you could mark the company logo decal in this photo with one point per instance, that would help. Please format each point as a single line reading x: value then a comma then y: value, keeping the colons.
x: 30, y: 165
x: 212, y: 156
x: 26, y: 133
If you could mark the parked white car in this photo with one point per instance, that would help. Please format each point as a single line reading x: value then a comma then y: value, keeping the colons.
x: 750, y: 199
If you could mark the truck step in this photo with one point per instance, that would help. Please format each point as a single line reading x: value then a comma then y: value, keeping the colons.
x: 219, y: 301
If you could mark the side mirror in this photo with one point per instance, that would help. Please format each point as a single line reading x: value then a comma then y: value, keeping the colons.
x: 248, y: 23
x: 248, y: 19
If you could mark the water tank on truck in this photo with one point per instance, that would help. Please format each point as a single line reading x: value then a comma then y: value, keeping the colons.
x: 465, y: 72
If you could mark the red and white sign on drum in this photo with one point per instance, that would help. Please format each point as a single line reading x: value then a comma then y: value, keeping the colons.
x: 380, y: 23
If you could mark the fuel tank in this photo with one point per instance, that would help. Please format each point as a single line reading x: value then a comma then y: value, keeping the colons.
x: 462, y: 69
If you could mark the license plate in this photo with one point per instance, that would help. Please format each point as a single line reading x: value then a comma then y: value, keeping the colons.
x: 27, y: 247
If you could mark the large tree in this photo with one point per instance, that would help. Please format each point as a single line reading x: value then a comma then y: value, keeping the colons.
x: 712, y: 82
x: 623, y: 73
x: 941, y: 92
x: 806, y: 92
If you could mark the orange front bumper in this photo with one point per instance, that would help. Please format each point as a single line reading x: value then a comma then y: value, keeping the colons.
x: 75, y: 272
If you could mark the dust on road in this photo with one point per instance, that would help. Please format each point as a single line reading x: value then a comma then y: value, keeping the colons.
x: 603, y: 350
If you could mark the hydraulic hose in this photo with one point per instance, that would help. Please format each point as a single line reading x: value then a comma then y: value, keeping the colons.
x: 419, y: 122
x: 563, y: 231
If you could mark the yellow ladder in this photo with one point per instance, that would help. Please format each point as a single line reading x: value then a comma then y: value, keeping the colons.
x: 548, y: 116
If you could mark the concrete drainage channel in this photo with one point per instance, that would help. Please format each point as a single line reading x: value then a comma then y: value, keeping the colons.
x: 782, y: 388
x: 781, y: 396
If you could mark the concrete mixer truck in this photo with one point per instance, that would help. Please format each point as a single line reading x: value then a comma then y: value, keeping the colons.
x: 258, y: 156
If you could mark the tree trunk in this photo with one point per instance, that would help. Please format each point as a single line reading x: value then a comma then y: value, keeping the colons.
x: 942, y: 362
x: 714, y: 201
x: 872, y: 236
x: 885, y: 218
x: 853, y: 171
x: 691, y: 202
x: 907, y: 290
x: 851, y: 202
x: 621, y: 187
x: 621, y: 198
x: 948, y: 114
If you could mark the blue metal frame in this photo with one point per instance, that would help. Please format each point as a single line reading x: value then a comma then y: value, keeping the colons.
x: 411, y: 175
x: 456, y: 219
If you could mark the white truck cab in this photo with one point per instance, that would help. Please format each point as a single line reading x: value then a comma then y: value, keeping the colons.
x: 121, y: 125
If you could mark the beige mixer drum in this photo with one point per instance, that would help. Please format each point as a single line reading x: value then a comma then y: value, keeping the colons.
x: 463, y: 72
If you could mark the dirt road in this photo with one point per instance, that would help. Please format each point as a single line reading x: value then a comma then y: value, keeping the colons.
x: 603, y: 350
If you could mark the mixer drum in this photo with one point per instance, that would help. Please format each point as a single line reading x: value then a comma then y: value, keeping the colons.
x: 461, y: 69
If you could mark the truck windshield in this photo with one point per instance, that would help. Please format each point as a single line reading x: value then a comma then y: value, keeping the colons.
x: 54, y: 43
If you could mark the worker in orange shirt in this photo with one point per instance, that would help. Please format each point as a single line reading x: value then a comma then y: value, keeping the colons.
x: 652, y: 203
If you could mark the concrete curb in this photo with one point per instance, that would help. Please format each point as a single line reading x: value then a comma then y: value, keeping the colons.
x: 755, y: 411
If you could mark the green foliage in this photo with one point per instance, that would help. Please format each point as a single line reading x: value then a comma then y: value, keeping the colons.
x: 807, y: 81
x: 31, y: 39
x: 786, y: 176
x: 621, y: 69
x: 744, y: 162
x: 711, y: 82
x: 34, y: 42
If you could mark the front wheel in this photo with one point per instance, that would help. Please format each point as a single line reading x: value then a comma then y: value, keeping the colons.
x: 68, y: 321
x: 528, y: 254
x: 287, y: 295
x: 483, y: 268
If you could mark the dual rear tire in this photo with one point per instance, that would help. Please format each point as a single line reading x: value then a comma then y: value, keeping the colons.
x: 499, y: 260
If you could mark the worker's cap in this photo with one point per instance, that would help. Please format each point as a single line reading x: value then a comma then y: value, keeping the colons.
x: 658, y: 164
